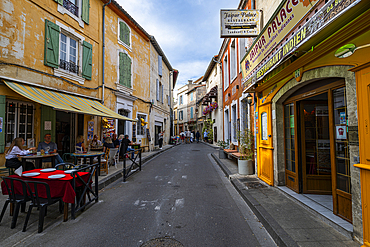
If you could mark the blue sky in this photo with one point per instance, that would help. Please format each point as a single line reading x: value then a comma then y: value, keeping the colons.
x: 188, y: 31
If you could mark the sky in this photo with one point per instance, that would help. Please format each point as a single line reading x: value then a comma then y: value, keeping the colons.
x: 188, y: 31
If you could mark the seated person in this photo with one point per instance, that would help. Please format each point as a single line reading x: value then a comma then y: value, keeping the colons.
x: 95, y: 142
x: 11, y: 156
x: 49, y: 147
x: 80, y: 143
x: 108, y: 144
x: 125, y: 147
x: 115, y: 140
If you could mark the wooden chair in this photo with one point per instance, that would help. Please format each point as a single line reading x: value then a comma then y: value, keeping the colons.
x: 40, y: 203
x: 105, y: 161
x: 14, y: 197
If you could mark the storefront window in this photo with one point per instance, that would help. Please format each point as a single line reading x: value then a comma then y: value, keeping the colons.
x: 289, y: 137
x: 19, y: 121
x: 264, y: 126
x: 341, y: 141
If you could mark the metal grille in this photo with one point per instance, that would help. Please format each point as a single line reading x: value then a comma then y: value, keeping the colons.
x: 70, y: 7
x: 70, y: 66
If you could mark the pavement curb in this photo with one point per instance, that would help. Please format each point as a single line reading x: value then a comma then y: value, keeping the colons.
x: 277, y: 233
x: 119, y: 172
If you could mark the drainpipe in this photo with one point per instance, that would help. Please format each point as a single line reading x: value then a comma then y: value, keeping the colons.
x: 102, y: 101
x: 253, y: 4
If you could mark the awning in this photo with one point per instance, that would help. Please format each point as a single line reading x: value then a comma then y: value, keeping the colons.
x: 64, y: 101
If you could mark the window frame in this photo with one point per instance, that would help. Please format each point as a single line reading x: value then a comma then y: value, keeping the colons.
x: 61, y: 9
x: 128, y: 46
x: 17, y: 118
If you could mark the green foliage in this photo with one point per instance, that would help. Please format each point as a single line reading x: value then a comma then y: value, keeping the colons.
x: 246, y: 144
x: 208, y: 125
x: 223, y: 144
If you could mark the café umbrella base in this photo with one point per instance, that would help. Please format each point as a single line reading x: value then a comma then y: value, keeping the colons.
x: 245, y: 167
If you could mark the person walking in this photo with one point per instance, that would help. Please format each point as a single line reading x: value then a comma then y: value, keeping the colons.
x: 160, y: 139
x: 197, y: 136
x: 205, y: 136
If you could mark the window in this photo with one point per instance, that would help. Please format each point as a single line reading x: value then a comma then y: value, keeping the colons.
x: 124, y: 34
x: 124, y: 70
x: 191, y: 96
x: 181, y: 116
x: 77, y: 9
x: 180, y: 100
x: 233, y: 60
x: 62, y: 49
x: 159, y: 91
x: 191, y: 112
x: 234, y: 125
x: 242, y: 48
x: 19, y: 121
x: 226, y: 73
x: 68, y: 54
x: 140, y: 129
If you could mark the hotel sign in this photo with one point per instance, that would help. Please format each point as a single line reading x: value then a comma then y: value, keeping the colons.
x: 330, y: 11
x: 240, y: 23
x: 290, y: 12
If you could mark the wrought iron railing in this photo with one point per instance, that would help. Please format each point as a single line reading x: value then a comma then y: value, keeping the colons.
x: 70, y: 7
x: 70, y: 66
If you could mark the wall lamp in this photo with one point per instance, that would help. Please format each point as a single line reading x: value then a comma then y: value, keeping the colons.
x: 249, y: 99
x: 348, y: 50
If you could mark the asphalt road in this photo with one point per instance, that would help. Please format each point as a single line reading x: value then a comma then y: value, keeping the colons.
x: 180, y: 198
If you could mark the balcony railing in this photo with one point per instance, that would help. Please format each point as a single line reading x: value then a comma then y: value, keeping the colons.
x: 70, y: 7
x: 70, y: 66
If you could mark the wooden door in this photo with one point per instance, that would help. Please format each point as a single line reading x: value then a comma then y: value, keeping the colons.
x: 265, y: 148
x: 315, y: 147
x: 291, y: 147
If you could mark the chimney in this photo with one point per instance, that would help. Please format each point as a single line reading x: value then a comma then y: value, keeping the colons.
x: 190, y: 82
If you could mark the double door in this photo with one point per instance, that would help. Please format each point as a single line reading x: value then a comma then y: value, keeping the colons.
x: 316, y: 147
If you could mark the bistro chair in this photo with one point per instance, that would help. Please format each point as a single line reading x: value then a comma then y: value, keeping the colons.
x: 64, y: 166
x: 15, y: 198
x: 34, y: 188
x: 113, y: 156
x: 105, y: 161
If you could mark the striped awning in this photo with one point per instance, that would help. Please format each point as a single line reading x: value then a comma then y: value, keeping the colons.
x: 64, y: 101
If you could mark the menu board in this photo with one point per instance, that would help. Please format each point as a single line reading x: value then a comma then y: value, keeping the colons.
x: 264, y: 126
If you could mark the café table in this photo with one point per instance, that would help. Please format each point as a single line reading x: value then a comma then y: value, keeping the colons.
x: 59, y: 187
x: 38, y: 159
x: 91, y: 156
x: 96, y: 149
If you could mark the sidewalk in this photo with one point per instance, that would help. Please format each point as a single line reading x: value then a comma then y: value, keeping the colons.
x: 291, y: 219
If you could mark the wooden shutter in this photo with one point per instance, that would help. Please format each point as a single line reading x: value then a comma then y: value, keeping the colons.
x: 85, y: 11
x: 86, y: 60
x: 159, y: 65
x: 121, y: 31
x: 157, y: 89
x: 2, y: 124
x: 51, y: 53
x: 121, y: 68
x: 59, y: 1
x: 128, y: 71
x: 162, y: 92
x: 126, y: 35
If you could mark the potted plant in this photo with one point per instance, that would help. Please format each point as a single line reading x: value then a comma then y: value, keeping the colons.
x: 222, y: 145
x: 246, y: 149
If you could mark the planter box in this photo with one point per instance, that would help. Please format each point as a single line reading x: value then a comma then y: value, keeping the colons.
x: 245, y: 167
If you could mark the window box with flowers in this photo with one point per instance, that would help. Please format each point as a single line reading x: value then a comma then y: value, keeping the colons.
x: 210, y: 108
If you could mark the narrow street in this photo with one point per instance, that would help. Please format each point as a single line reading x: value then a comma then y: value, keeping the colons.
x: 180, y: 195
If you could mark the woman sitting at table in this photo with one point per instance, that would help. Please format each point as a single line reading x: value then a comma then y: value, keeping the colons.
x: 11, y: 156
x: 80, y: 143
x: 95, y: 142
x: 108, y: 144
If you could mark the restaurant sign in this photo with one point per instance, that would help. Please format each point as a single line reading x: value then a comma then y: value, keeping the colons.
x: 332, y: 10
x: 290, y: 13
x: 240, y: 23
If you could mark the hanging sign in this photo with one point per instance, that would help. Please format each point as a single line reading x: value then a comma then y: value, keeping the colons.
x: 240, y: 23
x: 341, y: 132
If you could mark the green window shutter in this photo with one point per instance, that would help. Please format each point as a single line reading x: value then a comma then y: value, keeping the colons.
x: 121, y: 68
x: 51, y: 53
x: 126, y: 35
x: 121, y: 31
x: 86, y: 60
x: 59, y: 1
x: 128, y: 71
x: 2, y: 129
x: 85, y: 11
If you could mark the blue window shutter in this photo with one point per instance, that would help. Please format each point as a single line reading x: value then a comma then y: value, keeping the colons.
x: 159, y: 65
x: 162, y: 92
x: 86, y: 60
x: 157, y: 89
x: 51, y: 53
x: 191, y: 112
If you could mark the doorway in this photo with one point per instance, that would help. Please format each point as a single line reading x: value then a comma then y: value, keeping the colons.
x: 316, y: 145
x: 63, y: 132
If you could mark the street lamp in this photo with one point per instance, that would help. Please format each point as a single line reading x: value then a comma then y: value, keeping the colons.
x: 249, y: 99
